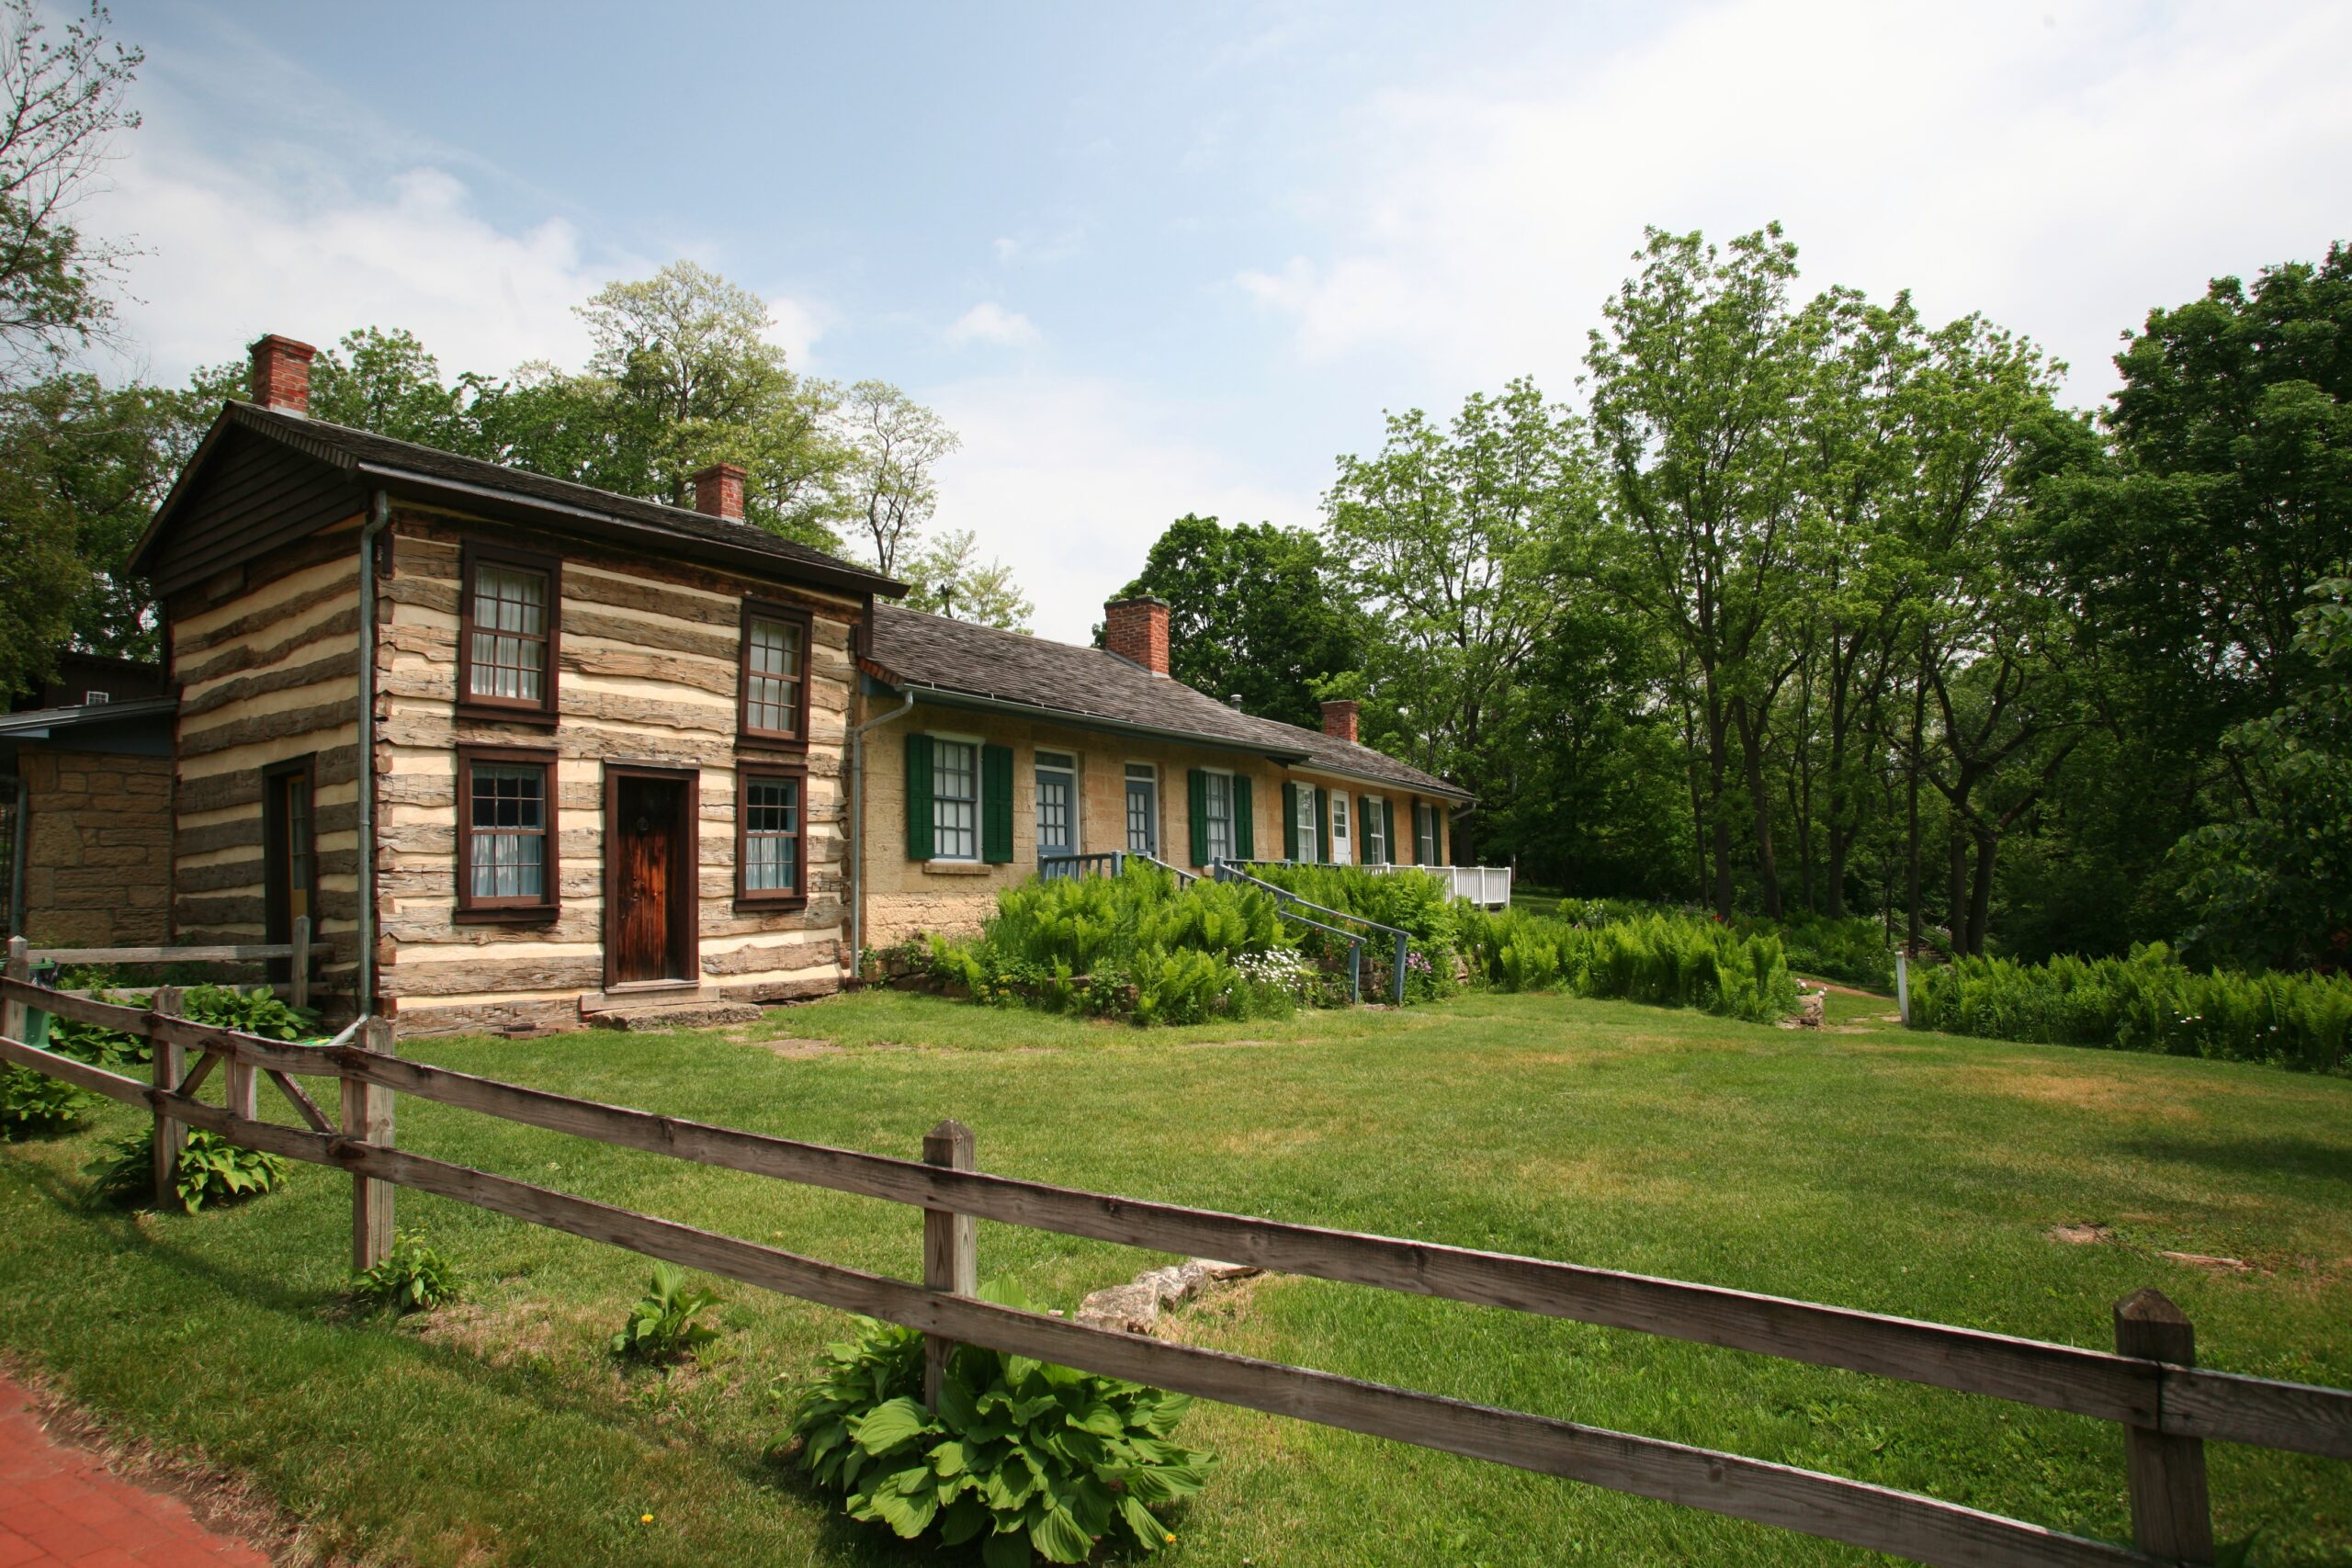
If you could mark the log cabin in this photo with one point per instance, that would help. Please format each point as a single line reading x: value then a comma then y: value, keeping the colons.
x: 532, y: 755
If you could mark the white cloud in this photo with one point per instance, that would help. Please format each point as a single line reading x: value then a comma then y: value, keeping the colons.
x: 2060, y: 169
x: 991, y: 322
x: 1070, y: 480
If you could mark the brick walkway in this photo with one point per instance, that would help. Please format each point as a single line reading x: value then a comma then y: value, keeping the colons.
x: 59, y: 1505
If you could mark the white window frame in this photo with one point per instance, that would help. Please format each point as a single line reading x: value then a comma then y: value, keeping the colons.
x: 1075, y: 769
x: 1372, y: 809
x: 1424, y: 834
x: 1230, y: 826
x: 937, y: 833
x: 1308, y: 825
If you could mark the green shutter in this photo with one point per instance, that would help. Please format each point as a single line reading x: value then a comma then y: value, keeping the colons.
x: 1323, y: 827
x: 1196, y: 785
x: 1290, y: 821
x: 1363, y: 832
x: 996, y: 804
x: 1389, y: 830
x: 1245, y: 832
x: 919, y: 818
x: 1437, y: 835
x: 1418, y: 859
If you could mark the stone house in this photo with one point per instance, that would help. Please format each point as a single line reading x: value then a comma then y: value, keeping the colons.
x: 531, y: 754
x: 86, y: 808
x: 983, y: 751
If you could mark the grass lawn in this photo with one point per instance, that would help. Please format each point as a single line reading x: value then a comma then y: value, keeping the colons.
x: 1861, y: 1165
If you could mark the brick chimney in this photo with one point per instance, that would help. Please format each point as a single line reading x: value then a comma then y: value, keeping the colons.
x: 282, y: 374
x: 1137, y: 629
x: 1339, y: 721
x: 718, y: 491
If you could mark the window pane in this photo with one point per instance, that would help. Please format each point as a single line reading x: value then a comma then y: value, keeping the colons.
x: 1220, y: 817
x: 509, y: 652
x: 771, y: 700
x: 771, y: 835
x: 1058, y: 760
x: 509, y: 832
x: 955, y: 799
x: 1140, y: 824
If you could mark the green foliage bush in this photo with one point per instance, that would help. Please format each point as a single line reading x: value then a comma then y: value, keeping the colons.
x: 661, y: 1326
x: 2148, y: 1001
x: 1852, y: 948
x: 1135, y: 946
x: 211, y: 1170
x: 413, y: 1276
x: 257, y: 1011
x: 1413, y: 901
x: 1022, y: 1455
x: 33, y: 1104
x: 1674, y: 961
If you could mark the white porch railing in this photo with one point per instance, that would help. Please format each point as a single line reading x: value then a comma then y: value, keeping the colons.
x: 1486, y: 885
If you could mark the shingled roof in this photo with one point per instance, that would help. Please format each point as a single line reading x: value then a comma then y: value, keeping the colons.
x: 406, y: 469
x: 989, y: 667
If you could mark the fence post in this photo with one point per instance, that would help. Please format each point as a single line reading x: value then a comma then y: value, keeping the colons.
x: 1903, y: 984
x: 951, y: 1247
x: 1397, y: 978
x: 2172, y: 1516
x: 1355, y: 969
x: 170, y: 1060
x: 14, y: 1016
x: 368, y: 1119
x: 299, y: 972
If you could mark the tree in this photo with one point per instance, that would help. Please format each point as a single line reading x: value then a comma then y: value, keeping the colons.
x: 1446, y: 540
x: 1253, y: 613
x: 2273, y: 887
x: 61, y: 104
x: 947, y: 578
x: 1695, y: 384
x: 891, y: 481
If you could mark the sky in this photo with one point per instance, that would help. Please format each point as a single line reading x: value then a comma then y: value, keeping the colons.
x: 1148, y: 260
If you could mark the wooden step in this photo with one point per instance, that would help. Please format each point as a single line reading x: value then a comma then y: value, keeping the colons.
x: 683, y: 1013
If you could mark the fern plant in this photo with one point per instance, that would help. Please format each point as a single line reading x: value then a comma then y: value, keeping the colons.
x: 211, y: 1170
x: 411, y: 1277
x: 661, y: 1326
x: 1023, y: 1456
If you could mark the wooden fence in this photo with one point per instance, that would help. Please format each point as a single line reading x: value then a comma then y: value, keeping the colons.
x: 2150, y: 1384
x: 296, y: 951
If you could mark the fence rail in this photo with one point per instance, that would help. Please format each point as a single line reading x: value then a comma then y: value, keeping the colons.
x: 2166, y: 1405
x: 297, y: 952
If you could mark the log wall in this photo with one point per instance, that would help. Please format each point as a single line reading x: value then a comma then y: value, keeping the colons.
x: 647, y: 673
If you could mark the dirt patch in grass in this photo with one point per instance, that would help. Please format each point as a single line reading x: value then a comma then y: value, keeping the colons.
x: 795, y: 1050
x: 522, y: 1330
x: 1601, y: 1178
x: 225, y: 1501
x: 2084, y: 1234
x: 2079, y: 1092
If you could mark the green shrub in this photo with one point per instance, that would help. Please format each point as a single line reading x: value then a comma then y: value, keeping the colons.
x: 1022, y: 1455
x: 411, y: 1277
x: 661, y: 1326
x: 1853, y: 949
x: 257, y: 1011
x: 33, y: 1104
x: 211, y: 1170
x: 1415, y: 902
x: 2147, y: 1001
x: 1677, y: 961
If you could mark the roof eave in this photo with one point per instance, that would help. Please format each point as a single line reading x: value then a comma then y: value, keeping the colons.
x: 413, y: 485
x: 1434, y: 788
x: 948, y: 696
x: 38, y: 722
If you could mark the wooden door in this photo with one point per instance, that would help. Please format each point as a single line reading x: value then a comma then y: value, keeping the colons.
x: 288, y: 882
x: 646, y: 867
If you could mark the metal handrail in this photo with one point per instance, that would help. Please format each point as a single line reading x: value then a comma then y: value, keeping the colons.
x: 1228, y: 869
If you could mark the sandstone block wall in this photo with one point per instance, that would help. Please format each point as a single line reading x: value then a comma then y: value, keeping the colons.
x: 98, y: 848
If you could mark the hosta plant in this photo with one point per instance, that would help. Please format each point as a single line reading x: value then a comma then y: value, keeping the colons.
x: 1022, y: 1456
x: 661, y: 1326
x: 211, y: 1170
x: 411, y: 1277
x: 33, y: 1104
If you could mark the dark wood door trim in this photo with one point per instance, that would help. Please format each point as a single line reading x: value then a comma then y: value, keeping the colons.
x: 279, y: 903
x: 684, y: 891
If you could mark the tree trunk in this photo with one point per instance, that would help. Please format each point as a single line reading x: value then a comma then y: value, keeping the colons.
x: 1980, y: 899
x: 1759, y: 800
x: 1956, y: 844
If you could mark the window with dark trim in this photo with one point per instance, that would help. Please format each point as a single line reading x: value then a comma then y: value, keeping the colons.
x: 506, y: 857
x: 508, y: 634
x: 955, y: 800
x: 773, y: 707
x: 771, y: 837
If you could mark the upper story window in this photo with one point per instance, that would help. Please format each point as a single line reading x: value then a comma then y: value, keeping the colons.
x: 775, y: 675
x: 507, y: 635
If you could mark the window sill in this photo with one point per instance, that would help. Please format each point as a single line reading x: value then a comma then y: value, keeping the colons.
x: 752, y: 741
x: 518, y: 915
x: 782, y: 904
x: 956, y: 868
x: 480, y: 713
